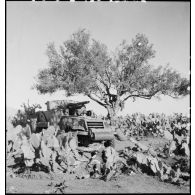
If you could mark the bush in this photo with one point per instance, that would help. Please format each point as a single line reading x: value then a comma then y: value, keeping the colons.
x: 154, y: 124
x: 23, y: 117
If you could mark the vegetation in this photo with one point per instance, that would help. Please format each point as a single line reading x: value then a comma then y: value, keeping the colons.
x: 83, y: 65
x: 23, y: 116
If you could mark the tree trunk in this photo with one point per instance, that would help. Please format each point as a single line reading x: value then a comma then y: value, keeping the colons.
x: 113, y: 106
x: 112, y: 113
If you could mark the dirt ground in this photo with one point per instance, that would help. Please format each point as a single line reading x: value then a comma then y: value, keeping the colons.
x: 138, y: 183
x: 123, y: 184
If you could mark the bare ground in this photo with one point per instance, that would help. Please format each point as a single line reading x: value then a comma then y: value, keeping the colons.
x: 123, y: 184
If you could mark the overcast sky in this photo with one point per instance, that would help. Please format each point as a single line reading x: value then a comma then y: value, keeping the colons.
x: 32, y: 25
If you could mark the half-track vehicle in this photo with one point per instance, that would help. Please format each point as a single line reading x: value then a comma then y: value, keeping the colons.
x: 73, y: 116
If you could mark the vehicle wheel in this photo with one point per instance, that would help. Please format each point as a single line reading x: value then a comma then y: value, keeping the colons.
x: 83, y: 140
x: 120, y: 135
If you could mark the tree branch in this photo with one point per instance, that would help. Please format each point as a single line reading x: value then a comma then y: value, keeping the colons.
x: 121, y: 92
x: 94, y: 99
x: 108, y: 92
x: 97, y: 96
x: 147, y: 96
x: 107, y: 88
x: 108, y: 78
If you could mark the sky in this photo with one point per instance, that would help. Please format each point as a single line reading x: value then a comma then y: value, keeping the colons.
x: 31, y: 26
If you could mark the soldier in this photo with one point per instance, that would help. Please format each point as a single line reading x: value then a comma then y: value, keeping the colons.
x: 96, y: 162
x: 81, y: 111
x: 66, y: 112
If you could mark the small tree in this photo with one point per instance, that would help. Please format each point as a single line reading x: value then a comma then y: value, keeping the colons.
x: 84, y: 66
x: 23, y: 117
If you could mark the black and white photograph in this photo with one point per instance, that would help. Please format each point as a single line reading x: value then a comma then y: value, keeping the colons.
x: 98, y: 97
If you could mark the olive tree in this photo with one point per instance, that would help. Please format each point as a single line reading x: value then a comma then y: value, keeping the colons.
x: 82, y: 65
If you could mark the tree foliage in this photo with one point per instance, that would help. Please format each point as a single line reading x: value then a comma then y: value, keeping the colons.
x: 24, y: 115
x: 83, y: 65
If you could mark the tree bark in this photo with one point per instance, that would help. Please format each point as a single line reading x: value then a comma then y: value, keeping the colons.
x: 112, y: 113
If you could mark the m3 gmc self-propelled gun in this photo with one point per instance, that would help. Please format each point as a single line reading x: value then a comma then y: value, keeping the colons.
x: 72, y: 116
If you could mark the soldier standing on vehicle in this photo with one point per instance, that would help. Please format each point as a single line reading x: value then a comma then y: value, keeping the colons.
x: 82, y: 111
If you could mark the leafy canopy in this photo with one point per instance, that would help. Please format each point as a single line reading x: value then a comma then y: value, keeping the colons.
x: 84, y: 65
